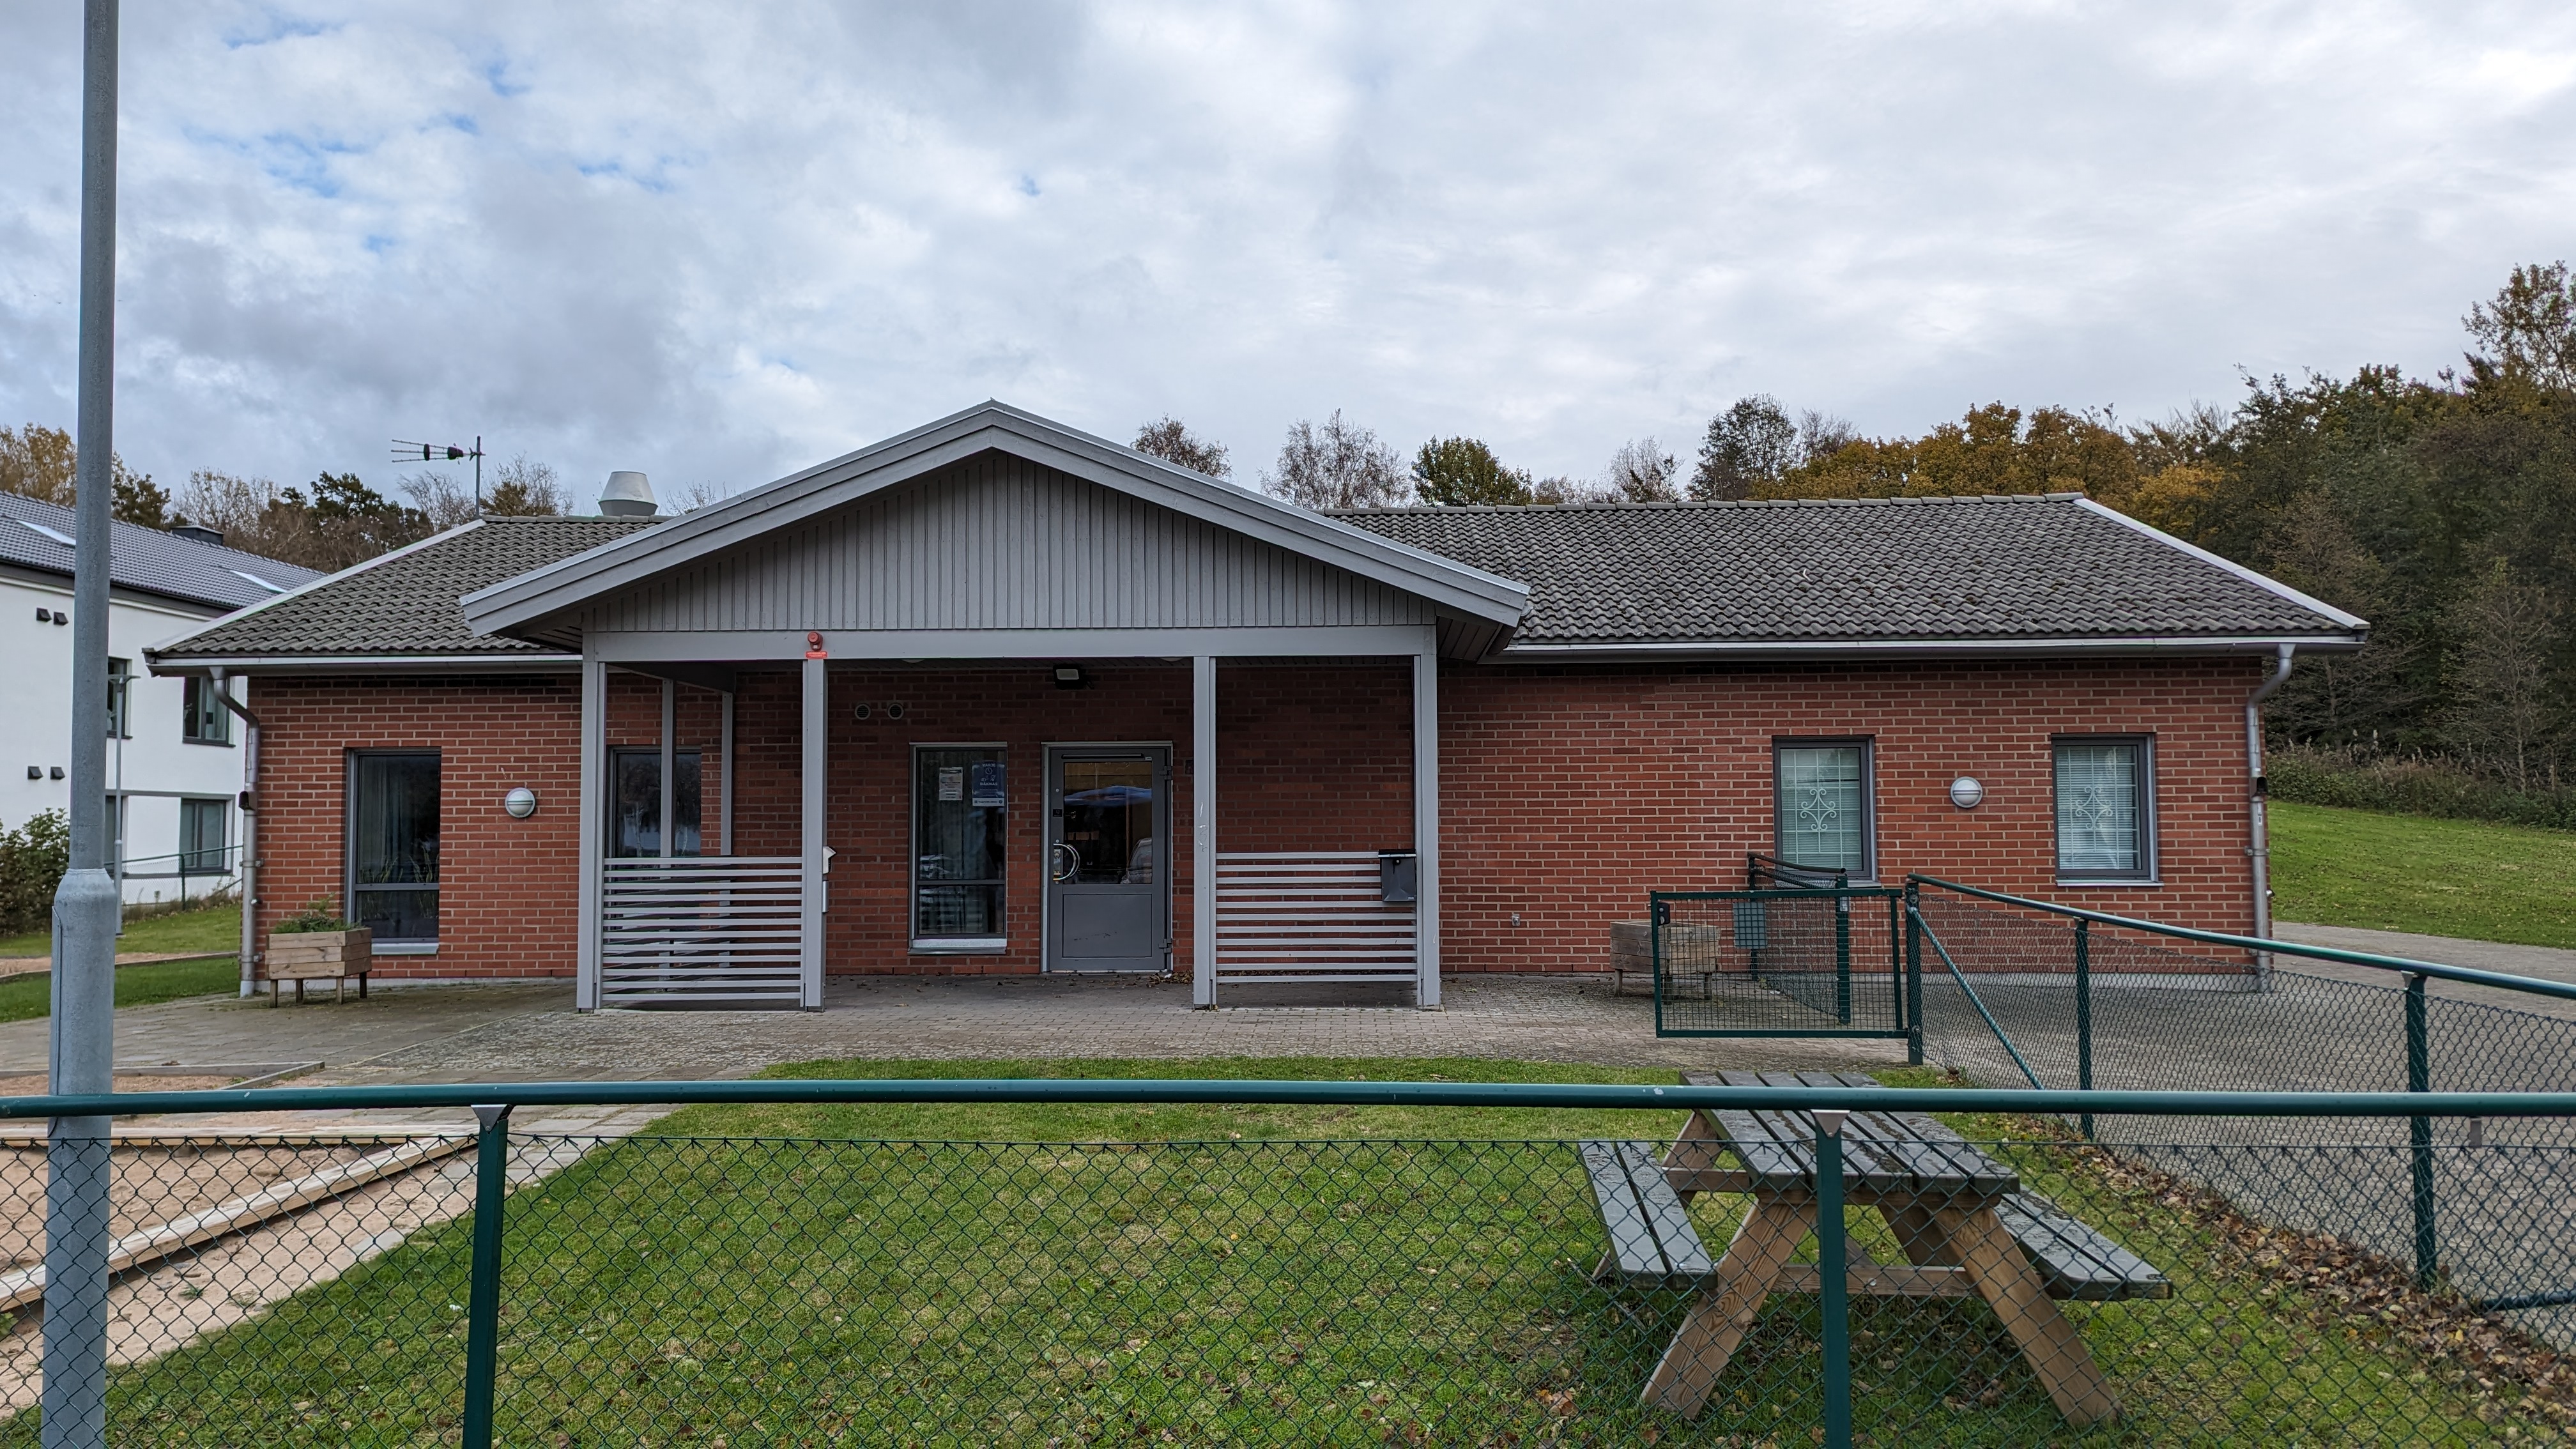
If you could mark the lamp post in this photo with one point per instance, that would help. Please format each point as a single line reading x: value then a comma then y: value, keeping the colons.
x: 86, y: 904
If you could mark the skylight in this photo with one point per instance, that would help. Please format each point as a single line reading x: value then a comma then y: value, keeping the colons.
x: 256, y: 579
x: 57, y: 536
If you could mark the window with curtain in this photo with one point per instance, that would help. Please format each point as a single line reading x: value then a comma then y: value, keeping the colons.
x: 635, y: 789
x: 393, y: 844
x: 202, y: 825
x: 958, y: 837
x: 203, y: 720
x: 1821, y: 805
x: 2105, y: 809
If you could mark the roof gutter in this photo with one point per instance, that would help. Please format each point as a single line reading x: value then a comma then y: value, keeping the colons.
x: 249, y: 829
x: 2260, y: 851
x: 2077, y: 645
x: 514, y: 663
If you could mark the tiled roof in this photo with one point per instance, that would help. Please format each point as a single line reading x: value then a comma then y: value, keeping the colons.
x: 1850, y: 570
x: 146, y: 560
x: 405, y: 602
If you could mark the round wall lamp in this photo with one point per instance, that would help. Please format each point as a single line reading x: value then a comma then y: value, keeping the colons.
x: 521, y: 803
x: 1967, y: 792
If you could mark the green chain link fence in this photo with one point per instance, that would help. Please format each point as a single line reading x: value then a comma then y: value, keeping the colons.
x: 1996, y: 1278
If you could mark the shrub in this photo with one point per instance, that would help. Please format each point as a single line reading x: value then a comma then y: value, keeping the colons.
x: 316, y: 916
x: 33, y: 858
x: 2411, y: 784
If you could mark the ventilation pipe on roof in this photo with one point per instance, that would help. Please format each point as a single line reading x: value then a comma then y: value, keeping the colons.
x: 628, y: 495
x: 2261, y: 849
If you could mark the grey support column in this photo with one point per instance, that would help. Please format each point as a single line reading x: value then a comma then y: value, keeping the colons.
x: 594, y: 818
x: 816, y: 739
x: 86, y: 904
x: 670, y: 760
x: 1203, y: 831
x: 724, y: 782
x: 1426, y: 828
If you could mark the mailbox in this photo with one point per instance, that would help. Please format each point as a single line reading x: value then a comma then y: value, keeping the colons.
x: 1399, y: 876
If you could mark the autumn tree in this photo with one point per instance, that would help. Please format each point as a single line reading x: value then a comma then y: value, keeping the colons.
x: 2504, y: 709
x: 1339, y: 465
x: 40, y: 462
x: 1459, y: 471
x: 1642, y: 472
x: 1748, y: 446
x: 2529, y: 330
x: 1168, y: 439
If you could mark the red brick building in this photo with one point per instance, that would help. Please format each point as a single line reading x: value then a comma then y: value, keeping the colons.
x: 999, y: 696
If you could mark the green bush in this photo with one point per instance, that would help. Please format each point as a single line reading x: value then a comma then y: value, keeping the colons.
x: 33, y: 858
x: 2410, y: 784
x: 317, y: 916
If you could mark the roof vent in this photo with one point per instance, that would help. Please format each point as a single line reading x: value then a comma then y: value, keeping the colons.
x: 628, y: 495
x: 197, y: 531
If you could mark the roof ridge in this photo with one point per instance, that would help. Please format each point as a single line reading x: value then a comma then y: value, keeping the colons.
x: 1613, y: 505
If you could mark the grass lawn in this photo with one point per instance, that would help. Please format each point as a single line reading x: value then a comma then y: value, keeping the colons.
x: 1074, y: 1274
x: 210, y: 928
x: 2466, y: 878
x: 31, y: 994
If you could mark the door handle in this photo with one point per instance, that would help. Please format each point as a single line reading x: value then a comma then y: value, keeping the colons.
x: 1066, y: 862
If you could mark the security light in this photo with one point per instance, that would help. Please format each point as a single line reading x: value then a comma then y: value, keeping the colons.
x: 1967, y: 792
x: 521, y: 803
x: 1068, y: 676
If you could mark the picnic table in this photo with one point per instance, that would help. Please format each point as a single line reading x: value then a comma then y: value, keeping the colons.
x: 1966, y: 1227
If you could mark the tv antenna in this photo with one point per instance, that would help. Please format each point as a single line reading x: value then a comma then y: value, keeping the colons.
x: 449, y: 453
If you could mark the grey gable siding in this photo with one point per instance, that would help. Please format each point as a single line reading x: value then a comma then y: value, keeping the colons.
x: 997, y: 542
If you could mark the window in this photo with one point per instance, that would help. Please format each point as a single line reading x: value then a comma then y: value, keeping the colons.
x: 2106, y: 813
x: 201, y: 836
x: 959, y: 810
x: 635, y: 795
x: 393, y: 844
x: 1821, y: 806
x: 120, y: 699
x: 203, y: 718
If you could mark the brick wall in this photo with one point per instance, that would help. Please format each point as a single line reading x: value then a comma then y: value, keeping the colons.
x: 1567, y: 793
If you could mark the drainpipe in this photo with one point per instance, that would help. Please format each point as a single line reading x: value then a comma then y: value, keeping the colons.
x: 249, y: 831
x: 2261, y: 849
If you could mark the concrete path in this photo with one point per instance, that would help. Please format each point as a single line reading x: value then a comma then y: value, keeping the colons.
x: 2549, y: 963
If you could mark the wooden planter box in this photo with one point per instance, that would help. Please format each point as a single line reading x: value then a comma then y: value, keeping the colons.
x: 335, y: 956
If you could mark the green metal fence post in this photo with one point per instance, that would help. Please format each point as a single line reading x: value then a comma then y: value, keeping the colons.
x: 1832, y: 1279
x: 1913, y: 976
x: 2419, y: 1130
x: 1842, y: 948
x: 2084, y: 1016
x: 1657, y: 912
x: 483, y: 1300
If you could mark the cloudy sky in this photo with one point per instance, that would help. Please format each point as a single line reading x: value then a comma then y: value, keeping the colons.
x: 720, y: 242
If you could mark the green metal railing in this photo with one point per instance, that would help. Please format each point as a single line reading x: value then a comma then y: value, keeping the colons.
x: 531, y: 1376
x: 1782, y: 961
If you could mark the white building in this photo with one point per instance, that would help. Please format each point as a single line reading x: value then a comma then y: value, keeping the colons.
x: 174, y: 762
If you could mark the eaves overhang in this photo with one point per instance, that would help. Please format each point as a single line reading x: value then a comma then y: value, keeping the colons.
x: 517, y: 607
x: 2062, y: 647
x: 406, y: 664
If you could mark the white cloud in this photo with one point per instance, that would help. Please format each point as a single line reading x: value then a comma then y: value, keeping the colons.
x: 721, y: 243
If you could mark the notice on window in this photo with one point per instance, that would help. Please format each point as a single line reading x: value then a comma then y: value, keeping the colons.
x: 989, y: 791
x: 952, y: 783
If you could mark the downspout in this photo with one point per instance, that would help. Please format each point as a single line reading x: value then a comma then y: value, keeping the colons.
x: 249, y: 831
x: 2261, y: 849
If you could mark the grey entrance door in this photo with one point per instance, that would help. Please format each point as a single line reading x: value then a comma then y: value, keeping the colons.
x: 1109, y: 892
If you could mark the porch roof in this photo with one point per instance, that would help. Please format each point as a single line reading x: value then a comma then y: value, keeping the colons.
x: 558, y: 602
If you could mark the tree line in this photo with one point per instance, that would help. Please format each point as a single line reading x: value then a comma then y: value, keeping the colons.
x: 328, y: 524
x: 2441, y: 509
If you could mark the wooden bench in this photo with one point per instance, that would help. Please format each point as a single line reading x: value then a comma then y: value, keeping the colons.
x: 1962, y: 1220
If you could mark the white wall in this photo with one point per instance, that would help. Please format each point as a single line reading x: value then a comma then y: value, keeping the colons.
x: 158, y: 767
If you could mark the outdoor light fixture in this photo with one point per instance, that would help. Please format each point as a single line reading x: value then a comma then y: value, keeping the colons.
x: 55, y: 773
x: 1068, y: 676
x: 894, y: 711
x: 861, y: 712
x: 1967, y: 792
x: 35, y: 772
x: 521, y: 803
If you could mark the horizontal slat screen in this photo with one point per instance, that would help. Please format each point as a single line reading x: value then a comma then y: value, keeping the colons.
x: 701, y: 929
x: 1308, y: 916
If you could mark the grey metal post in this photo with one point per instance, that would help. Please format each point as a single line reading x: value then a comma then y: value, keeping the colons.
x: 86, y: 904
x: 1203, y: 831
